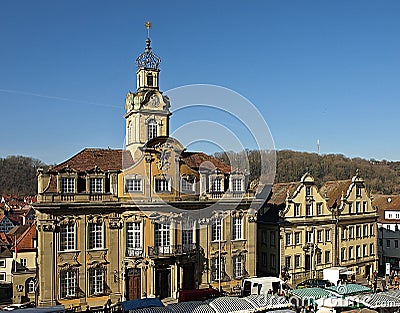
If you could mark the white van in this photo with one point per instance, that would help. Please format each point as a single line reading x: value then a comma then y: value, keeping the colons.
x: 262, y: 285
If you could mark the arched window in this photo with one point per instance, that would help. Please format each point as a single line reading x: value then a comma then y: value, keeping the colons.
x: 149, y: 80
x: 151, y: 129
x: 31, y: 285
x: 130, y: 132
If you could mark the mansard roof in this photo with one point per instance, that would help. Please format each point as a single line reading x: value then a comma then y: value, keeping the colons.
x: 334, y: 191
x: 197, y: 160
x: 89, y: 159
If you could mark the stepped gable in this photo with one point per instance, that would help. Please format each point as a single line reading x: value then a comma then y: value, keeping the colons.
x: 334, y: 190
x: 195, y: 160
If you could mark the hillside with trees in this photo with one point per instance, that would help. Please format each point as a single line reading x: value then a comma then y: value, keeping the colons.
x: 381, y: 176
x: 18, y: 175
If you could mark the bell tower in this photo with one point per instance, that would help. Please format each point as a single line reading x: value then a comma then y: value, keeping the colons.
x: 147, y: 109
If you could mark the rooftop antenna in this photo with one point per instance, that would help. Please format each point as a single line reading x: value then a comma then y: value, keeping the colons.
x: 319, y: 147
x: 148, y: 26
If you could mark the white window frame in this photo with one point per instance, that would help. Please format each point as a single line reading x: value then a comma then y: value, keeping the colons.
x: 297, y: 261
x: 320, y: 235
x: 319, y: 208
x: 133, y: 185
x: 297, y: 209
x: 162, y: 235
x: 152, y: 129
x: 162, y: 185
x: 67, y: 237
x: 96, y: 236
x: 309, y: 236
x: 297, y: 235
x: 288, y: 239
x: 68, y: 283
x: 237, y: 184
x: 187, y: 232
x: 216, y: 184
x: 216, y: 269
x: 96, y: 184
x: 31, y: 286
x: 309, y: 209
x: 188, y: 184
x: 237, y: 267
x: 67, y: 184
x: 23, y: 262
x: 134, y: 238
x: 237, y: 223
x: 216, y: 230
x: 327, y: 235
x: 3, y: 276
x: 96, y: 281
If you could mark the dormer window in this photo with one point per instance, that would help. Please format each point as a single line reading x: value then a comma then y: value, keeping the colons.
x: 162, y: 185
x: 188, y: 184
x: 151, y: 129
x: 308, y: 191
x: 67, y: 185
x: 216, y: 184
x: 96, y: 185
x: 149, y: 80
x: 237, y: 185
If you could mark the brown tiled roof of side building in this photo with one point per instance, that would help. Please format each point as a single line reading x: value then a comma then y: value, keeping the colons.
x: 386, y: 203
x: 334, y: 190
x: 280, y: 191
x: 104, y: 159
x: 196, y: 159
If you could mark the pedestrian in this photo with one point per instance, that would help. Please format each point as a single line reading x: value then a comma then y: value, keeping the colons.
x: 383, y: 284
x: 375, y: 285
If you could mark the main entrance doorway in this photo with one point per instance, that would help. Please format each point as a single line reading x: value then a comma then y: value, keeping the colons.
x: 188, y: 276
x: 163, y: 282
x: 133, y: 284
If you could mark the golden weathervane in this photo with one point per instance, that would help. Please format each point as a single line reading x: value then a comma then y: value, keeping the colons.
x: 148, y: 26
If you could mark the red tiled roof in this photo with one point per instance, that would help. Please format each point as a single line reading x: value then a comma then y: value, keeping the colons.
x: 280, y: 190
x: 386, y: 203
x: 334, y: 190
x: 104, y: 159
x: 196, y: 160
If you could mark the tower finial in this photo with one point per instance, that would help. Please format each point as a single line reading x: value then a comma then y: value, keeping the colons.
x: 148, y: 26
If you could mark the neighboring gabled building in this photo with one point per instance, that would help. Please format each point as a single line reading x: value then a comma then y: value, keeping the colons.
x: 5, y: 224
x: 303, y: 230
x: 388, y: 231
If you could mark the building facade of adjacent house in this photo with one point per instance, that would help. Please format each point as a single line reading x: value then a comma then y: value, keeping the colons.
x: 147, y: 221
x: 388, y: 230
x: 303, y: 230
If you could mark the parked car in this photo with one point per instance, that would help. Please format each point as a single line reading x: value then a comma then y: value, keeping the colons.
x: 321, y: 283
x: 15, y: 306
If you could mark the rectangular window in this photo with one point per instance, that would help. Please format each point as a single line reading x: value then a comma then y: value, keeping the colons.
x: 308, y: 191
x: 319, y: 208
x: 358, y: 252
x: 365, y: 231
x: 264, y: 237
x: 162, y: 235
x: 68, y: 283
x: 216, y: 184
x: 187, y: 184
x: 388, y: 243
x: 264, y: 259
x: 358, y: 231
x: 288, y: 262
x: 216, y: 269
x: 319, y: 236
x: 309, y: 210
x: 350, y: 208
x: 350, y: 253
x: 358, y: 207
x: 309, y: 236
x: 327, y: 256
x: 96, y: 281
x: 96, y: 185
x: 371, y: 229
x: 343, y: 254
x: 358, y: 191
x: 95, y: 235
x: 67, y: 237
x: 371, y: 249
x: 2, y: 276
x: 288, y: 239
x: 187, y: 233
x: 327, y: 235
x: 237, y: 267
x: 133, y: 185
x: 134, y: 239
x: 343, y: 233
x: 272, y: 239
x: 162, y: 185
x: 351, y: 232
x: 23, y: 262
x: 237, y: 228
x: 2, y: 263
x: 318, y: 258
x: 297, y: 209
x: 216, y: 230
x: 273, y: 261
x: 365, y: 206
x: 297, y: 238
x: 365, y: 253
x: 396, y: 243
x: 67, y: 185
x: 237, y: 184
x: 297, y: 261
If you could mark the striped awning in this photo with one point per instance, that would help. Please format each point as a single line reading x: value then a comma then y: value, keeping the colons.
x: 268, y: 302
x: 231, y: 304
x: 311, y: 293
x: 387, y: 299
x: 191, y: 307
x: 349, y: 289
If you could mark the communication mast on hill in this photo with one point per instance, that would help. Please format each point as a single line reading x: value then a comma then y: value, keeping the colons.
x: 319, y: 147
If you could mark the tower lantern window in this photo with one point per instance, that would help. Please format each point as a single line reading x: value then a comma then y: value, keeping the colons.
x: 149, y: 80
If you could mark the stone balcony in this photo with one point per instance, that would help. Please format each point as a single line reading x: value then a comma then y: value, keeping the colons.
x: 171, y: 250
x: 75, y: 198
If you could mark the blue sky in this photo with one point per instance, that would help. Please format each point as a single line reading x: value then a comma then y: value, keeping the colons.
x: 326, y: 70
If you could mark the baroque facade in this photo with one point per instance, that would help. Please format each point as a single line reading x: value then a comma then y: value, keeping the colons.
x: 147, y: 221
x: 303, y: 229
